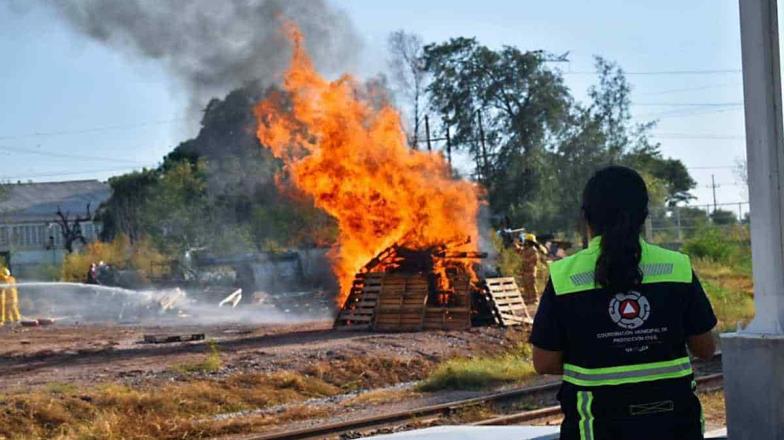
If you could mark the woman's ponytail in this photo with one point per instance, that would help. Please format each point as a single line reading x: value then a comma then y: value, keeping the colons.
x: 615, y: 205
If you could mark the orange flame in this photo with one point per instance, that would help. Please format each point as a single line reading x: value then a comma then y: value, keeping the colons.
x: 351, y: 157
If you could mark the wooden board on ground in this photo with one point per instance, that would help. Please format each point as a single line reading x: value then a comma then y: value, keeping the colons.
x: 507, y: 301
x: 358, y: 311
x: 164, y: 339
x: 401, y: 303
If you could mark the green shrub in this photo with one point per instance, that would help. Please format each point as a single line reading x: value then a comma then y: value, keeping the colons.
x: 477, y: 373
x: 712, y: 243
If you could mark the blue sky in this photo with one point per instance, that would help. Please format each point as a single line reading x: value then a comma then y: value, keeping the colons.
x: 76, y: 109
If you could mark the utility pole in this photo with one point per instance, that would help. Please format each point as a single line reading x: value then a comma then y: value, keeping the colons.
x: 678, y: 222
x: 427, y: 133
x: 449, y: 148
x: 482, y: 143
x: 713, y: 186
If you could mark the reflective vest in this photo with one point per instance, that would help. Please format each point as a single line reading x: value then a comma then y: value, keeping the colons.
x: 575, y: 274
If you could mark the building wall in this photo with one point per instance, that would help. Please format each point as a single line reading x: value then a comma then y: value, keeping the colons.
x: 34, y: 248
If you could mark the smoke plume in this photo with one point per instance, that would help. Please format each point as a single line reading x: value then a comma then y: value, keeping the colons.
x: 215, y: 46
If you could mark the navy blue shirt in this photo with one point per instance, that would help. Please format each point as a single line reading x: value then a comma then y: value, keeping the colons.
x: 585, y: 327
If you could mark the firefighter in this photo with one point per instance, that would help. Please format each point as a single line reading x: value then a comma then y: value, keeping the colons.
x: 616, y: 320
x: 530, y: 251
x: 9, y: 297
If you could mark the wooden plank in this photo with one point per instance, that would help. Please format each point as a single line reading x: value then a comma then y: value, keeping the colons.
x: 165, y: 339
x: 352, y: 317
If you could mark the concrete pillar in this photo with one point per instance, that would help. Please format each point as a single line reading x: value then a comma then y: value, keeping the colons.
x: 753, y: 358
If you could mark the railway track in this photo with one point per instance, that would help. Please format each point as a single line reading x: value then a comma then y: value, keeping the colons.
x: 432, y: 413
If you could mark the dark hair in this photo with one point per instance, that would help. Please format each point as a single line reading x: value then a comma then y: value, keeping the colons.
x: 615, y: 205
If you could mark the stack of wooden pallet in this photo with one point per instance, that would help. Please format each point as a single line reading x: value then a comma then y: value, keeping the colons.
x: 396, y: 302
x: 401, y: 303
x: 506, y: 301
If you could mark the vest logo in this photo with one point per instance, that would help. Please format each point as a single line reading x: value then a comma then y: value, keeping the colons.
x: 629, y: 310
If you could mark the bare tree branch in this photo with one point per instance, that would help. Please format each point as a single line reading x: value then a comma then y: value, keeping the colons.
x: 409, y: 76
x: 71, y: 229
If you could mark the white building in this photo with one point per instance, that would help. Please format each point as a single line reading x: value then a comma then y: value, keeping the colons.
x: 31, y: 241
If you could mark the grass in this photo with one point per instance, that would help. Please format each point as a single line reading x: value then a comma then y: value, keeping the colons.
x: 478, y: 373
x: 730, y: 289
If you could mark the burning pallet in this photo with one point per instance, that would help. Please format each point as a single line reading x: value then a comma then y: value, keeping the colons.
x: 410, y: 290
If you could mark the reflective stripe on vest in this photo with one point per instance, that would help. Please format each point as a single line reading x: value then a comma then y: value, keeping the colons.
x: 593, y: 377
x: 658, y: 265
x: 584, y: 401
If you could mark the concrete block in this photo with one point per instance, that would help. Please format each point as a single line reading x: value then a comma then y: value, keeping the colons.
x: 753, y: 367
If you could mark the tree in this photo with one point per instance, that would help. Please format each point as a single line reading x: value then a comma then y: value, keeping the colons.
x: 71, y: 228
x: 176, y: 214
x: 596, y: 134
x: 407, y: 65
x: 519, y: 101
x: 693, y: 218
x: 122, y: 213
x: 723, y: 217
x: 535, y: 147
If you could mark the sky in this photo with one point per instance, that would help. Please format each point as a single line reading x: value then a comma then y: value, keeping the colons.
x: 75, y: 109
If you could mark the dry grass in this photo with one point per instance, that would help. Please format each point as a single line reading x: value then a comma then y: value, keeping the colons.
x: 163, y: 412
x: 362, y: 372
x: 377, y: 397
x: 185, y: 407
x: 713, y: 408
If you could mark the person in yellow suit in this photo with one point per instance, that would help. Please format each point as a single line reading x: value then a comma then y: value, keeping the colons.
x: 9, y: 297
x: 531, y: 251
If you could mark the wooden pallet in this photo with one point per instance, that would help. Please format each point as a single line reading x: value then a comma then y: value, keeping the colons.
x: 507, y: 302
x: 401, y: 303
x: 360, y: 306
x: 447, y: 318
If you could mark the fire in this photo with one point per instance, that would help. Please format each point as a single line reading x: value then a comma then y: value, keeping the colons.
x: 350, y: 155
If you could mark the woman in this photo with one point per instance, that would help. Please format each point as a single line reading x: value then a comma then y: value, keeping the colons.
x: 615, y: 320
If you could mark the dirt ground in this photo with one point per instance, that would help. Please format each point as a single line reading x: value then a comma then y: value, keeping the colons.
x: 90, y: 354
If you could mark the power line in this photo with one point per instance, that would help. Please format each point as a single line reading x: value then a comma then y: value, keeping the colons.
x: 688, y: 89
x: 65, y: 155
x: 95, y: 129
x: 667, y: 135
x: 72, y: 173
x: 680, y: 113
x: 712, y: 167
x: 688, y: 104
x: 665, y: 72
